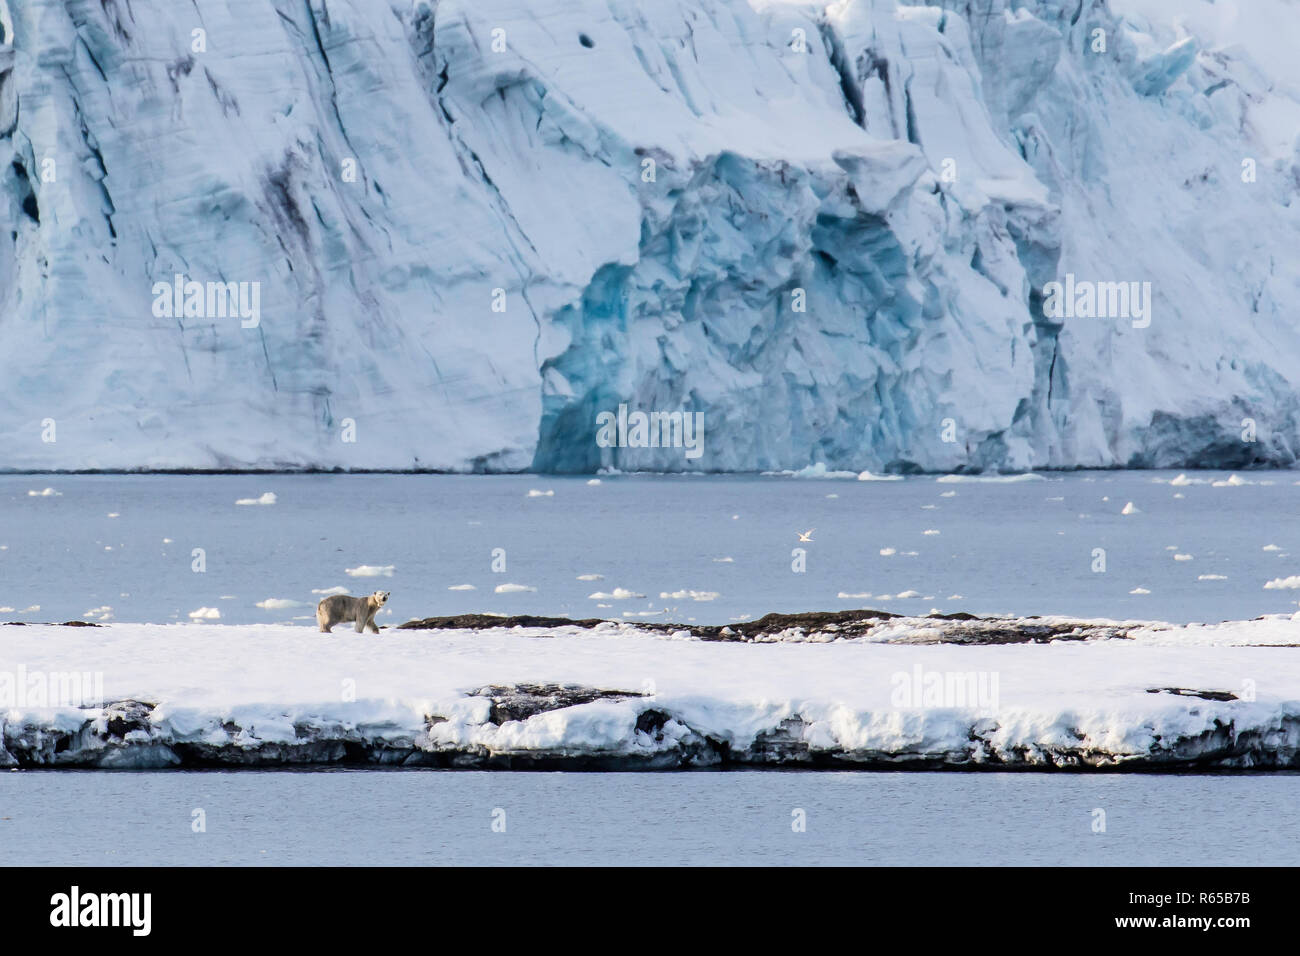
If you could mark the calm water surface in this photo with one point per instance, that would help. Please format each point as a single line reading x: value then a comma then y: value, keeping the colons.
x: 741, y: 817
x: 1025, y: 547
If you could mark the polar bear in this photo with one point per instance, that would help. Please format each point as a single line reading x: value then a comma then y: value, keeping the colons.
x: 338, y: 608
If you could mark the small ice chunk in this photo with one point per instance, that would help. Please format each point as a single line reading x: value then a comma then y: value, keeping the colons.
x: 692, y: 595
x: 618, y: 594
x: 267, y: 498
x: 279, y: 604
x: 371, y: 571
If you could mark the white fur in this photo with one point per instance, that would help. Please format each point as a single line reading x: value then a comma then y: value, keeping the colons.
x: 339, y: 608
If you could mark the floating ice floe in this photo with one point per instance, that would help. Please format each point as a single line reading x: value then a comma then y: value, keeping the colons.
x: 513, y: 588
x: 818, y: 470
x: 268, y: 498
x: 691, y: 595
x: 988, y: 479
x: 618, y: 594
x: 371, y: 571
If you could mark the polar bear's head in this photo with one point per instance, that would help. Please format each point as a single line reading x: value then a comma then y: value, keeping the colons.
x: 381, y: 597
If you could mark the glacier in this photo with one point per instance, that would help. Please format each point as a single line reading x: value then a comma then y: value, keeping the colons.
x: 475, y: 225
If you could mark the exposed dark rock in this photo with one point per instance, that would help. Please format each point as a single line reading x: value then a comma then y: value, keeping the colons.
x: 478, y: 622
x: 1203, y: 694
x: 955, y: 628
x: 49, y: 624
x: 784, y: 744
x: 521, y: 701
x: 652, y: 722
x: 123, y: 716
x: 845, y: 623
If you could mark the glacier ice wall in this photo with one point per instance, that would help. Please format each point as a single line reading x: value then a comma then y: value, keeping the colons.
x: 476, y: 224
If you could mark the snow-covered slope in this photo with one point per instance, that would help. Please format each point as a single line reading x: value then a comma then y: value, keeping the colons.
x: 473, y: 225
x: 615, y: 697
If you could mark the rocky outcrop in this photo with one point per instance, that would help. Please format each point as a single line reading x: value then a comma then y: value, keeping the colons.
x: 818, y: 626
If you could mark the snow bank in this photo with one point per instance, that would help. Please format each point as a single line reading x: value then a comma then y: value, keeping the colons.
x: 1115, y: 695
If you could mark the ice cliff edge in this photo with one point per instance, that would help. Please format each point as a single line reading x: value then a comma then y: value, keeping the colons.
x: 451, y: 234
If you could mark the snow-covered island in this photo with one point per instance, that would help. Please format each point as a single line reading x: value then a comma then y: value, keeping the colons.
x: 857, y: 689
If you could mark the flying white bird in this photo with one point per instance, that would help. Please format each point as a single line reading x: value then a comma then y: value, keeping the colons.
x: 805, y: 535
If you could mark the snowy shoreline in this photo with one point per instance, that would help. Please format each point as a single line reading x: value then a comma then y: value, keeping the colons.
x: 872, y: 693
